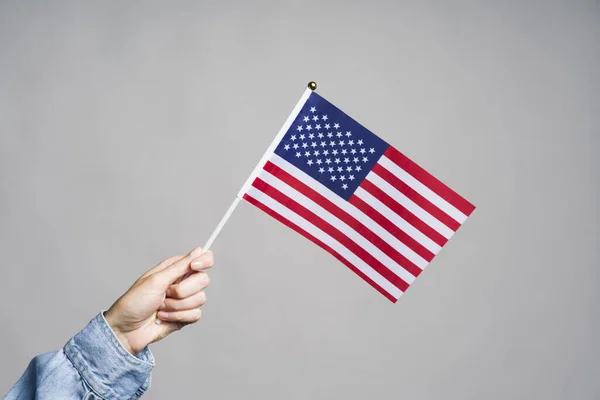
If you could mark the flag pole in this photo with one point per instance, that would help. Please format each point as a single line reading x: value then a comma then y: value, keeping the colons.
x: 311, y: 87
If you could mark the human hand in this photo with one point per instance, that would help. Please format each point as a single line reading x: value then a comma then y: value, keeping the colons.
x: 134, y: 318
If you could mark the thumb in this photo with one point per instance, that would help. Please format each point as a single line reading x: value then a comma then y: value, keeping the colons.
x: 178, y: 269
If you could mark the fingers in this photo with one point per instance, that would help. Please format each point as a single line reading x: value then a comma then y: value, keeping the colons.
x: 194, y: 301
x: 193, y: 284
x: 177, y: 269
x: 181, y: 317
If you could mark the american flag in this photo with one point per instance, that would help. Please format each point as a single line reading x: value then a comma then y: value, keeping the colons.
x: 348, y: 191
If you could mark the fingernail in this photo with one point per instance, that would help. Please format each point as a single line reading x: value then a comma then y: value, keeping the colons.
x: 199, y: 263
x: 158, y: 321
x: 196, y: 252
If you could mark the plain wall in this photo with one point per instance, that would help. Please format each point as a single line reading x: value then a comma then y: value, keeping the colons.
x: 126, y: 128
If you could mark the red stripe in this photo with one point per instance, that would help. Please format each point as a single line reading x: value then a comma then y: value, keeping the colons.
x: 408, y: 217
x: 336, y: 234
x: 378, y: 217
x: 355, y: 224
x: 416, y: 197
x: 316, y: 241
x: 429, y: 180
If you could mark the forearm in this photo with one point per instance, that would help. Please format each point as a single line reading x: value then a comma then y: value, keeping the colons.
x: 93, y: 363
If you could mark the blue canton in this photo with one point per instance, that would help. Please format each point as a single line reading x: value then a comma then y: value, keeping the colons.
x: 330, y: 146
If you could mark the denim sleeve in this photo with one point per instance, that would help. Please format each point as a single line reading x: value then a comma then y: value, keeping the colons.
x: 92, y: 365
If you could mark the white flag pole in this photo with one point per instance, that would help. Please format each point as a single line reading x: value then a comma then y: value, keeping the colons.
x: 311, y: 86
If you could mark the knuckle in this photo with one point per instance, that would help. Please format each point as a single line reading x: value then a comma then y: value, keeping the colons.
x: 204, y: 279
x: 197, y: 315
x: 210, y: 258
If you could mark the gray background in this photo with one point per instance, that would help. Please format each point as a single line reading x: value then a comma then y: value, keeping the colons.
x: 127, y: 128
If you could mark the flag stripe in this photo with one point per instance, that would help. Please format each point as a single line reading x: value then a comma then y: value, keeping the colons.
x: 346, y: 217
x: 394, y: 240
x: 436, y: 239
x: 416, y: 197
x: 351, y: 260
x: 422, y: 189
x: 319, y: 243
x: 333, y: 232
x: 406, y: 229
x: 366, y: 247
x: 401, y: 203
x: 429, y: 181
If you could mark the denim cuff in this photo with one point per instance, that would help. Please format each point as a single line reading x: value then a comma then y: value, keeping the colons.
x: 104, y: 364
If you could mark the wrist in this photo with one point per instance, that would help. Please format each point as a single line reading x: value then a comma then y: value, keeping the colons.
x: 112, y: 321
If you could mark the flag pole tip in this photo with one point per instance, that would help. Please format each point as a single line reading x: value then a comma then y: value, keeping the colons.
x: 312, y: 85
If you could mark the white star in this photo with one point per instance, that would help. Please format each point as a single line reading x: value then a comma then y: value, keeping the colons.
x: 325, y: 152
x: 311, y: 136
x: 336, y: 125
x: 327, y: 126
x: 321, y: 170
x: 330, y: 170
x: 320, y: 135
x: 339, y: 134
x: 350, y: 142
x: 344, y: 151
x: 316, y: 118
x: 310, y: 162
x: 351, y: 177
x: 332, y: 143
x: 371, y: 150
x: 362, y: 151
x: 323, y: 144
x: 340, y: 169
x: 319, y: 162
x: 317, y: 127
x: 316, y: 153
x: 302, y: 137
x: 298, y: 155
x: 287, y: 147
x: 360, y: 142
x: 313, y: 145
x: 344, y: 186
x: 329, y: 135
x: 337, y: 161
x: 358, y: 168
x: 333, y: 178
x: 341, y: 142
x: 346, y: 160
x: 313, y: 109
x: 308, y: 127
x: 342, y: 178
x: 293, y: 137
x: 299, y: 128
x: 334, y: 152
x: 304, y: 145
x: 349, y: 168
x: 356, y: 159
x: 353, y: 151
x: 328, y: 161
x: 324, y: 118
x: 365, y: 159
x: 306, y: 119
x: 348, y: 133
x: 307, y: 153
x: 295, y: 146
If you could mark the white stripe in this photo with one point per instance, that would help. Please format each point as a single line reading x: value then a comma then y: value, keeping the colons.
x: 422, y: 189
x: 275, y: 142
x: 409, y: 205
x: 325, y: 238
x: 352, y: 210
x: 346, y: 230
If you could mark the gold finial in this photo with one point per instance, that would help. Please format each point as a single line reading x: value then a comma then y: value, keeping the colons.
x: 312, y: 85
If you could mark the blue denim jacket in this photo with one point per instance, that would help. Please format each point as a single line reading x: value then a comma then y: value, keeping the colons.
x: 92, y: 365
